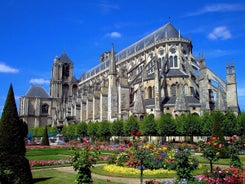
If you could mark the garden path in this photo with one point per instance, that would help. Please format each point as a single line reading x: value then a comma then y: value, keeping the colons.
x: 109, y: 178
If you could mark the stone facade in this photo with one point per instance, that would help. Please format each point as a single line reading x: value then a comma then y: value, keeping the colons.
x: 157, y: 74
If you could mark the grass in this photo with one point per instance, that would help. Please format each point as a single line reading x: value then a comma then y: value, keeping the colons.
x: 48, y: 153
x: 53, y: 176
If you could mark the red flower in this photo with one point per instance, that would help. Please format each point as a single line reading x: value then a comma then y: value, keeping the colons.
x: 131, y: 132
x: 138, y: 133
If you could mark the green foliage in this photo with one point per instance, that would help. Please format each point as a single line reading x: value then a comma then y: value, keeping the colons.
x: 117, y: 128
x: 148, y: 126
x: 234, y: 146
x: 166, y: 125
x: 184, y: 165
x: 241, y: 124
x: 206, y: 124
x: 230, y: 124
x: 131, y: 125
x: 45, y: 140
x: 82, y: 161
x: 92, y: 130
x: 211, y: 150
x: 104, y: 130
x: 217, y: 131
x: 14, y: 167
x: 81, y: 130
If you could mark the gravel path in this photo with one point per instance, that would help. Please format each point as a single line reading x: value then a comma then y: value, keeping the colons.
x: 109, y: 178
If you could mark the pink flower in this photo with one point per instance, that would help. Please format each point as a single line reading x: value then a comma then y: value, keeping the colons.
x: 85, y: 139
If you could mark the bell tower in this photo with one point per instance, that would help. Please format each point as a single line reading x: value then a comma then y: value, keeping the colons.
x: 231, y: 88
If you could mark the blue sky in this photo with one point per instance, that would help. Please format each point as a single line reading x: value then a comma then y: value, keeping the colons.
x: 33, y: 32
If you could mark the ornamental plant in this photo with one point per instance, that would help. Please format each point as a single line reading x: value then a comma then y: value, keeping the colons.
x: 211, y: 150
x: 234, y: 146
x: 229, y: 175
x: 83, y: 160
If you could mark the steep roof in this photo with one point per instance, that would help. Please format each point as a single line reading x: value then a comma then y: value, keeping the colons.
x: 167, y: 31
x: 64, y: 58
x: 37, y: 91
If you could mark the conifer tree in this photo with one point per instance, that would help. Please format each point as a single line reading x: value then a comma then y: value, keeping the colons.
x: 45, y: 140
x: 14, y: 167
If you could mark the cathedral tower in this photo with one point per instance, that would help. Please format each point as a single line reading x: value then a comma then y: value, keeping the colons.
x: 231, y: 88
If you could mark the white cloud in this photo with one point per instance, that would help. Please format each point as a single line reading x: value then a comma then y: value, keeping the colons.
x: 39, y: 81
x: 220, y: 32
x: 7, y: 69
x: 114, y: 35
x: 220, y: 7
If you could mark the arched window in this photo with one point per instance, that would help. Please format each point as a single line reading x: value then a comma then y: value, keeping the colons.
x: 149, y: 92
x: 171, y: 61
x: 45, y: 108
x: 175, y: 61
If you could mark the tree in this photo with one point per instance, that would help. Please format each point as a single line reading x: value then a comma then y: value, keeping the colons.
x: 81, y: 130
x: 192, y: 126
x: 104, y: 130
x: 45, y: 140
x: 230, y: 124
x: 131, y: 125
x: 116, y: 129
x: 14, y: 167
x: 92, y: 130
x: 148, y: 126
x: 217, y: 131
x: 206, y: 124
x: 166, y: 126
x: 241, y: 124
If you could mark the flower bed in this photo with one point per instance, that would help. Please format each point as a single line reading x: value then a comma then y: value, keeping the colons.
x: 40, y: 163
x: 133, y: 171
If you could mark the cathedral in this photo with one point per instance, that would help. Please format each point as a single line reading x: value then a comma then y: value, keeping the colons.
x: 156, y: 75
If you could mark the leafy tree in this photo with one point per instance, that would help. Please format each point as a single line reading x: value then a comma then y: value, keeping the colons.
x: 14, y: 167
x: 92, y: 130
x: 241, y: 124
x: 148, y: 126
x: 117, y: 128
x: 81, y: 130
x: 179, y: 122
x: 166, y: 126
x: 217, y: 131
x: 192, y: 126
x: 131, y: 125
x: 230, y: 124
x: 52, y: 131
x: 104, y: 130
x: 45, y: 140
x: 206, y: 124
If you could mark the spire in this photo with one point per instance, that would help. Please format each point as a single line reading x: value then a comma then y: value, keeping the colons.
x: 112, y: 69
x: 181, y: 104
x: 139, y: 104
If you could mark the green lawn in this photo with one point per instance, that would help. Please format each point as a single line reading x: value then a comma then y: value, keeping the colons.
x: 53, y: 176
x: 48, y: 153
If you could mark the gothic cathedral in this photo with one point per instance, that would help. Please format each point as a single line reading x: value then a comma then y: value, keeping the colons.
x: 155, y: 75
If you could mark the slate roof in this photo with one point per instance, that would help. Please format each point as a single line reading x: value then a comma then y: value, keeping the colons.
x: 167, y: 31
x: 170, y: 101
x: 176, y: 73
x: 64, y: 58
x: 37, y: 91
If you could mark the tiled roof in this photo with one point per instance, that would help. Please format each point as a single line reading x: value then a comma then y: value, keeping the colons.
x: 176, y: 73
x: 37, y: 91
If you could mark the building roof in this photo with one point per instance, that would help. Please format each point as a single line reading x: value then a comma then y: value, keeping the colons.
x: 64, y: 58
x: 167, y: 31
x: 37, y: 91
x: 170, y: 101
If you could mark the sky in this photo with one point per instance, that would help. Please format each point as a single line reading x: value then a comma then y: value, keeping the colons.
x: 33, y: 32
